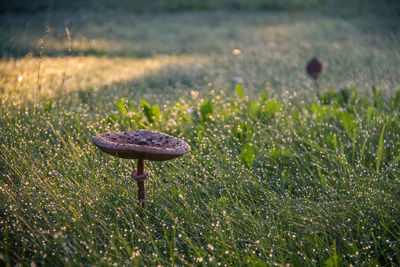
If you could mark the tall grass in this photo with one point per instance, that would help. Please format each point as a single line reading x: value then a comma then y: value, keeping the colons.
x: 304, y: 194
x: 275, y: 176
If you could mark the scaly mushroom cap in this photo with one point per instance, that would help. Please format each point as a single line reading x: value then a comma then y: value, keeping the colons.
x: 314, y: 68
x: 142, y: 144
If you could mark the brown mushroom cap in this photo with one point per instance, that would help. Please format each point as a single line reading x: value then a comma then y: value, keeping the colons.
x: 314, y: 68
x: 142, y: 144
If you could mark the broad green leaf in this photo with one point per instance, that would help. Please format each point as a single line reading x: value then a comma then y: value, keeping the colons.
x: 156, y: 111
x: 135, y: 117
x: 329, y: 97
x: 274, y: 154
x: 331, y: 141
x: 344, y: 96
x: 206, y: 109
x: 378, y: 101
x: 239, y: 91
x: 286, y: 153
x: 200, y: 131
x: 254, y: 109
x: 272, y: 106
x: 332, y: 261
x: 244, y: 131
x: 247, y: 154
x: 254, y: 261
x: 318, y: 112
x: 120, y: 105
x: 113, y: 117
x: 348, y: 122
x: 147, y: 110
x: 144, y: 103
x: 263, y: 98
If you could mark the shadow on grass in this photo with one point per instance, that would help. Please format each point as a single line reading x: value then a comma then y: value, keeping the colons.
x: 274, y: 48
x: 100, y: 84
x: 168, y: 84
x: 121, y: 33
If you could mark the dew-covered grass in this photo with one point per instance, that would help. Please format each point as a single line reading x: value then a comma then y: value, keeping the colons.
x: 279, y: 172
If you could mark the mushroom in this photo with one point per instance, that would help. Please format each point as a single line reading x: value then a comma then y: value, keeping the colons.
x: 314, y: 68
x: 141, y: 145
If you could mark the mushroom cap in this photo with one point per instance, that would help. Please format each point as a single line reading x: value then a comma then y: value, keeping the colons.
x: 142, y: 144
x: 314, y: 68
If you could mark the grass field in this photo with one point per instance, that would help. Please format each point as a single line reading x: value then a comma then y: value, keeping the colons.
x: 279, y: 172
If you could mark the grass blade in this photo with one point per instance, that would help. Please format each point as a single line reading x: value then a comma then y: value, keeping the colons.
x: 379, y: 152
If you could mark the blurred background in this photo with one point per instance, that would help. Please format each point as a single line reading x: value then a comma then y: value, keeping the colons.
x: 179, y: 5
x: 171, y: 48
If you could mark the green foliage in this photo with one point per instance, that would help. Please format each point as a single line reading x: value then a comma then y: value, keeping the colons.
x: 247, y: 155
x: 272, y: 107
x: 244, y: 132
x: 276, y: 154
x: 239, y: 91
x: 332, y: 261
x: 126, y: 115
x: 331, y: 141
x: 147, y: 110
x: 340, y: 97
x: 395, y: 103
x: 152, y: 113
x: 322, y: 113
x: 47, y: 107
x: 377, y: 96
x: 348, y: 122
x: 254, y: 109
x: 121, y: 105
x: 206, y: 110
x: 263, y: 98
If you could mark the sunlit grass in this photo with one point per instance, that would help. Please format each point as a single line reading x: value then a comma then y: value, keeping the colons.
x: 32, y: 77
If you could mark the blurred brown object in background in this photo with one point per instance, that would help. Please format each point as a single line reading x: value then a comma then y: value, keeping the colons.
x: 314, y: 68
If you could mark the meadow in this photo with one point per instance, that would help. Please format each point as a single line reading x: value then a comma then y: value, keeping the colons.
x: 281, y: 171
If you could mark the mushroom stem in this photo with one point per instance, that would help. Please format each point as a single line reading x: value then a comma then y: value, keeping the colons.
x: 316, y: 85
x: 140, y: 184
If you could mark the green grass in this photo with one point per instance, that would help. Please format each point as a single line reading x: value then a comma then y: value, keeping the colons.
x: 276, y: 174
